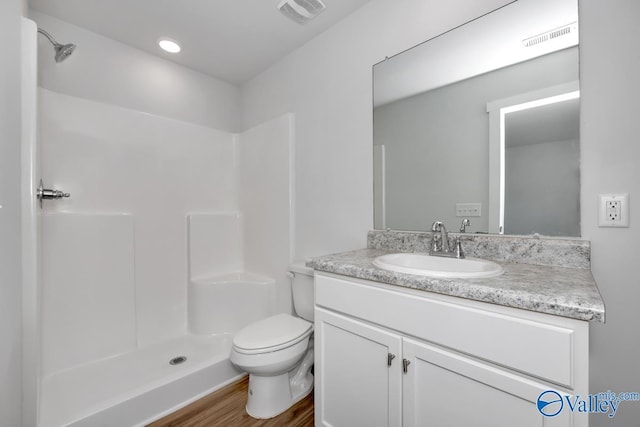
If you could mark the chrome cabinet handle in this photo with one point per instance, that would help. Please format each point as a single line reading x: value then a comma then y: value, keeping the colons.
x: 49, y: 194
x: 390, y: 358
x: 405, y: 365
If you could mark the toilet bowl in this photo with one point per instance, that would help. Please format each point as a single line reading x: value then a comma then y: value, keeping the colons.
x: 277, y: 353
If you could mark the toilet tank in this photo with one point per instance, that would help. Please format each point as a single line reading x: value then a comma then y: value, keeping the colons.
x: 302, y: 288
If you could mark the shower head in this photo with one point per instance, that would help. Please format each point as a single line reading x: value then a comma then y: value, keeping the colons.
x: 62, y: 50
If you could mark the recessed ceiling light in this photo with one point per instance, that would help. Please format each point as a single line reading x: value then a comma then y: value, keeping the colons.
x: 169, y: 45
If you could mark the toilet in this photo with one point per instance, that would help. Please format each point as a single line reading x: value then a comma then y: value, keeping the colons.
x: 277, y: 352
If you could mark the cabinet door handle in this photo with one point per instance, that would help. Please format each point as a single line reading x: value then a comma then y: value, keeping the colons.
x: 405, y: 365
x: 390, y: 358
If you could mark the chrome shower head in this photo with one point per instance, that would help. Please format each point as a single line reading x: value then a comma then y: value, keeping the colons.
x: 62, y: 50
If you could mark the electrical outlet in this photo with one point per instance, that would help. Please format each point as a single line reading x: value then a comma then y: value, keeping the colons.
x: 613, y: 210
x: 468, y: 209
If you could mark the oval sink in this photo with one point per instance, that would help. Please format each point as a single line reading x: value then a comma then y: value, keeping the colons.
x: 434, y: 266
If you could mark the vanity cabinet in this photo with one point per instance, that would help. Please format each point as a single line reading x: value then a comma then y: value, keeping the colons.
x: 389, y: 356
x: 360, y: 382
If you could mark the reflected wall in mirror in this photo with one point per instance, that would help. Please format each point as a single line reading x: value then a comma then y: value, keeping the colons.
x: 482, y: 123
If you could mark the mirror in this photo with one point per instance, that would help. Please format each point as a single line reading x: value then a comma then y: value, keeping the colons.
x: 482, y: 122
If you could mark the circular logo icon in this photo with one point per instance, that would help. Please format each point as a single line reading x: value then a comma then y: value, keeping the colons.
x: 550, y: 403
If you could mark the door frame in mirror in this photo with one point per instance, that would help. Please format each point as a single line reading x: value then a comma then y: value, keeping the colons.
x: 497, y: 111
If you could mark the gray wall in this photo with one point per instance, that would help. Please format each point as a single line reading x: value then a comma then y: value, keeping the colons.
x: 543, y: 189
x: 10, y: 239
x: 610, y: 160
x: 437, y: 143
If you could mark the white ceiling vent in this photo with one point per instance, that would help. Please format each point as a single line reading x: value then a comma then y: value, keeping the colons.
x: 565, y: 30
x: 301, y: 11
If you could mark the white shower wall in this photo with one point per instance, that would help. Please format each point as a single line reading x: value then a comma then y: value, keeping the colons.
x: 115, y: 258
x: 142, y: 144
x: 117, y: 161
x: 89, y: 310
x: 265, y: 198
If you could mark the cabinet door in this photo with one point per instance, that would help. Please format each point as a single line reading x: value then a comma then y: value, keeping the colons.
x: 355, y: 383
x: 442, y: 388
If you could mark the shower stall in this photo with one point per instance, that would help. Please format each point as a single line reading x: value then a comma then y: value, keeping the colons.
x: 151, y: 241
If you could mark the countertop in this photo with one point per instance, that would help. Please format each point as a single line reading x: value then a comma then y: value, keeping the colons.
x: 561, y: 291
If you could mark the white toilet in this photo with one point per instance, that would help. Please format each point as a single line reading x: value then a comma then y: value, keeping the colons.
x: 277, y: 352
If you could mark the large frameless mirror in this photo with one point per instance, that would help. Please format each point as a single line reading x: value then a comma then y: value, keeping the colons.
x: 482, y: 122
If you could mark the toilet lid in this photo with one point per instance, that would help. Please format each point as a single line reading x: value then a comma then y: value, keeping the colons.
x: 273, y: 331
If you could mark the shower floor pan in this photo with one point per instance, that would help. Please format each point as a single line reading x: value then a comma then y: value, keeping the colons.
x: 136, y: 388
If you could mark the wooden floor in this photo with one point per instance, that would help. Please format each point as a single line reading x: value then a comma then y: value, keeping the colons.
x: 225, y: 407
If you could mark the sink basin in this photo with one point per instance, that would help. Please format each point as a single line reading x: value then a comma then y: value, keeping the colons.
x: 434, y: 266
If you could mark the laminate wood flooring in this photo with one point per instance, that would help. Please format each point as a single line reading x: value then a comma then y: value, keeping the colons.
x: 225, y: 408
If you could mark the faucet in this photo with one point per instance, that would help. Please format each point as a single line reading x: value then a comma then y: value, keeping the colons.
x: 442, y: 249
x: 438, y: 227
x: 465, y: 223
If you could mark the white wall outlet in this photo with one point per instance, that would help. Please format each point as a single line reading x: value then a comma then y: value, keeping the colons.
x: 468, y: 209
x: 613, y: 210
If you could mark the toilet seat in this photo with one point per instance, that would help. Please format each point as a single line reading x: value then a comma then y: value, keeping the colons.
x: 272, y: 334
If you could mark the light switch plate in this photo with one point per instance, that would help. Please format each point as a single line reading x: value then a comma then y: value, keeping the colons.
x: 468, y: 209
x: 613, y: 210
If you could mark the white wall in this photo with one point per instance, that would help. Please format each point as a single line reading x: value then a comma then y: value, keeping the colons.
x: 105, y: 70
x: 10, y: 239
x: 610, y: 155
x: 31, y: 267
x: 327, y: 84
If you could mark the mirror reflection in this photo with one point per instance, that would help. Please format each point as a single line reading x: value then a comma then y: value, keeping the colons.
x: 483, y: 123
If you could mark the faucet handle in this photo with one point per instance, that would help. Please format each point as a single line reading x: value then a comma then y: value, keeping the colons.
x: 435, y: 244
x: 457, y: 248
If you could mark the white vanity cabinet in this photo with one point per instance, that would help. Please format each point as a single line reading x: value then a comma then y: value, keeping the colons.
x: 389, y: 356
x: 360, y: 382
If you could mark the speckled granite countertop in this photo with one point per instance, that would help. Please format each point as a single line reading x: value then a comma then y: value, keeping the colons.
x: 561, y: 291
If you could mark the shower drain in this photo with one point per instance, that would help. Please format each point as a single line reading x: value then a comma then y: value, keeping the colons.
x: 178, y: 360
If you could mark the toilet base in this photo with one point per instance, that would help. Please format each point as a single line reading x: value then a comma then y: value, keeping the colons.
x: 270, y: 396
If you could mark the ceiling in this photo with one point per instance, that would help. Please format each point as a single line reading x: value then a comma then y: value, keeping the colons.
x: 550, y: 123
x: 233, y: 40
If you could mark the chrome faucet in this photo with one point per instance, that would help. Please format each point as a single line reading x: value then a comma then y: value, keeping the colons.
x: 440, y: 244
x: 465, y: 223
x: 438, y: 227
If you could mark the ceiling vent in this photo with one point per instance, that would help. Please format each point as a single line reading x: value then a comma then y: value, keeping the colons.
x: 301, y: 11
x: 565, y: 30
